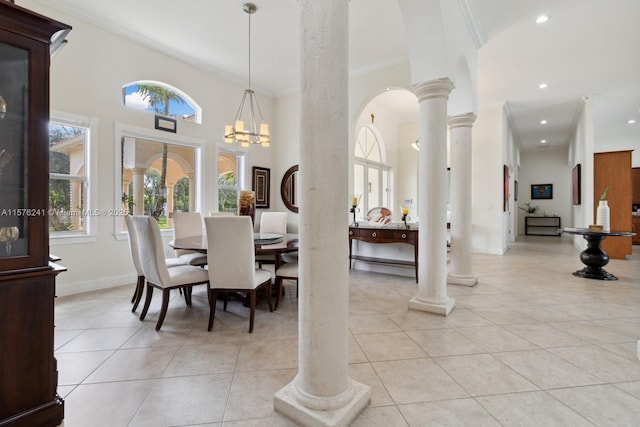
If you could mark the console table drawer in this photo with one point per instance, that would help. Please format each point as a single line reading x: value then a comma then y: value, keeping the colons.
x: 385, y: 235
x: 381, y: 235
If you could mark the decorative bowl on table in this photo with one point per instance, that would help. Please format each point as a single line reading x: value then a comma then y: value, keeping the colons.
x: 379, y: 216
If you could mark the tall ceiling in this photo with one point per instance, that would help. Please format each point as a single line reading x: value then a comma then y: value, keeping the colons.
x: 587, y: 48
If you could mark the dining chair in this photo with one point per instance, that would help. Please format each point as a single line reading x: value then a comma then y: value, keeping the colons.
x: 214, y: 213
x: 134, y: 246
x: 271, y: 222
x: 232, y: 266
x: 156, y: 272
x: 188, y: 224
x: 289, y: 271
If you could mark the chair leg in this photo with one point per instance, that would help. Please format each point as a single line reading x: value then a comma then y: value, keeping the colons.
x: 187, y: 295
x: 278, y: 291
x: 212, y: 307
x: 163, y: 310
x: 269, y: 296
x: 252, y: 306
x: 137, y: 296
x: 147, y: 301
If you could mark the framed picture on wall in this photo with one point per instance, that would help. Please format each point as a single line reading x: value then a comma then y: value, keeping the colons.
x: 260, y: 185
x: 575, y: 182
x: 541, y: 191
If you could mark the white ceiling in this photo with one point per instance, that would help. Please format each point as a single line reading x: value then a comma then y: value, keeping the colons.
x: 587, y: 48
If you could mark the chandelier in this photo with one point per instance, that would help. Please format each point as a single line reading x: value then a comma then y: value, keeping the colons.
x: 256, y: 132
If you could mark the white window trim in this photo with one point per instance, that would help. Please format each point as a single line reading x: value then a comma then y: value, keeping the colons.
x: 124, y: 130
x: 242, y: 154
x: 91, y: 222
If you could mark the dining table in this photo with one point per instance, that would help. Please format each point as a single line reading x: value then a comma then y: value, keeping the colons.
x: 265, y: 243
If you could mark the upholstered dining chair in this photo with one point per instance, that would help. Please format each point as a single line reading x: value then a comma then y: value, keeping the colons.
x: 189, y: 224
x: 214, y: 213
x: 155, y: 269
x: 289, y: 271
x: 134, y: 246
x: 271, y: 222
x: 231, y: 259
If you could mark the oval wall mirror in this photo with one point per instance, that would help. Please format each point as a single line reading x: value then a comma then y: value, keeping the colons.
x: 289, y: 189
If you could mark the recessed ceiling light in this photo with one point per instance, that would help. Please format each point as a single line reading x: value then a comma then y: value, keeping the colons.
x: 543, y: 122
x: 543, y: 141
x: 542, y: 85
x: 542, y: 19
x: 632, y: 121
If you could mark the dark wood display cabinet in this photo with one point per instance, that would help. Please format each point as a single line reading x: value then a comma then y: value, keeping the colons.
x: 28, y: 373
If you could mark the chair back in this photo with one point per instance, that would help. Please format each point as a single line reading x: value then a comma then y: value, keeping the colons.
x: 186, y: 224
x: 213, y: 213
x: 152, y: 256
x: 134, y: 244
x: 273, y: 222
x: 230, y: 252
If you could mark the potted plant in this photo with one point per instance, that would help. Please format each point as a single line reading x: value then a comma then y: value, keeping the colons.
x: 529, y: 209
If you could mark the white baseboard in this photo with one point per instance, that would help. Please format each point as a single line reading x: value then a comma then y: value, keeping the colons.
x: 93, y: 285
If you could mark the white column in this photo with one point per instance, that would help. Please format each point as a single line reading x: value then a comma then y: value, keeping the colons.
x: 137, y: 177
x: 322, y: 394
x: 460, y: 138
x: 432, y: 199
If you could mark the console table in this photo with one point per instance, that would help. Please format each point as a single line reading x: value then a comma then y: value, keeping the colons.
x: 384, y: 235
x: 594, y: 257
x: 542, y: 226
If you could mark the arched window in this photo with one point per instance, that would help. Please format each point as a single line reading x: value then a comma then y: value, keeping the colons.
x: 371, y: 177
x: 161, y: 98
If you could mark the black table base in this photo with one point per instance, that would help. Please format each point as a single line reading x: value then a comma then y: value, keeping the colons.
x: 594, y: 258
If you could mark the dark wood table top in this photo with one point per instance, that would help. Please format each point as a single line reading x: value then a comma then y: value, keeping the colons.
x: 587, y: 232
x: 264, y: 243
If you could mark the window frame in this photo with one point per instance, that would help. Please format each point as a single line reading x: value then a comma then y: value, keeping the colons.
x: 124, y: 130
x: 241, y: 166
x: 90, y: 198
x: 385, y: 192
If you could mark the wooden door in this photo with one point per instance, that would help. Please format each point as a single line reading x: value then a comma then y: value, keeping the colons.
x: 613, y: 169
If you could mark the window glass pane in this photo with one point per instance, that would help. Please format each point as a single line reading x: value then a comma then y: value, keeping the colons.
x: 374, y: 188
x: 161, y: 100
x: 157, y: 178
x: 385, y: 189
x: 66, y: 210
x: 228, y: 185
x: 358, y: 183
x: 67, y: 196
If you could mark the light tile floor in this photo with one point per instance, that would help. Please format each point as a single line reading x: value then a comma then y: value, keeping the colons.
x: 530, y: 345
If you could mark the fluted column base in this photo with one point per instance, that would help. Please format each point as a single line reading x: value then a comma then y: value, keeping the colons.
x: 441, y: 307
x: 456, y: 279
x: 287, y: 402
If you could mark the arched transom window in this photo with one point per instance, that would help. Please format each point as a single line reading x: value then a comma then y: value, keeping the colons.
x: 161, y: 98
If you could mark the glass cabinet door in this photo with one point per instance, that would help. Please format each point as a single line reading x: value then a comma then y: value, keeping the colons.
x: 14, y: 151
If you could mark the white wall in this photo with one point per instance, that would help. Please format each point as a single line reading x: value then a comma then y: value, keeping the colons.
x: 87, y: 77
x: 546, y: 166
x: 487, y: 162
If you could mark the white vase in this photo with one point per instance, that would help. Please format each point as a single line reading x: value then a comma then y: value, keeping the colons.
x: 602, y: 216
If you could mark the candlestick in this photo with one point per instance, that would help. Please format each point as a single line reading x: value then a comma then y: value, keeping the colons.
x: 353, y: 210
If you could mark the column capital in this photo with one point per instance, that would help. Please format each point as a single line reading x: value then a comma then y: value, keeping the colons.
x: 461, y: 120
x: 440, y: 88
